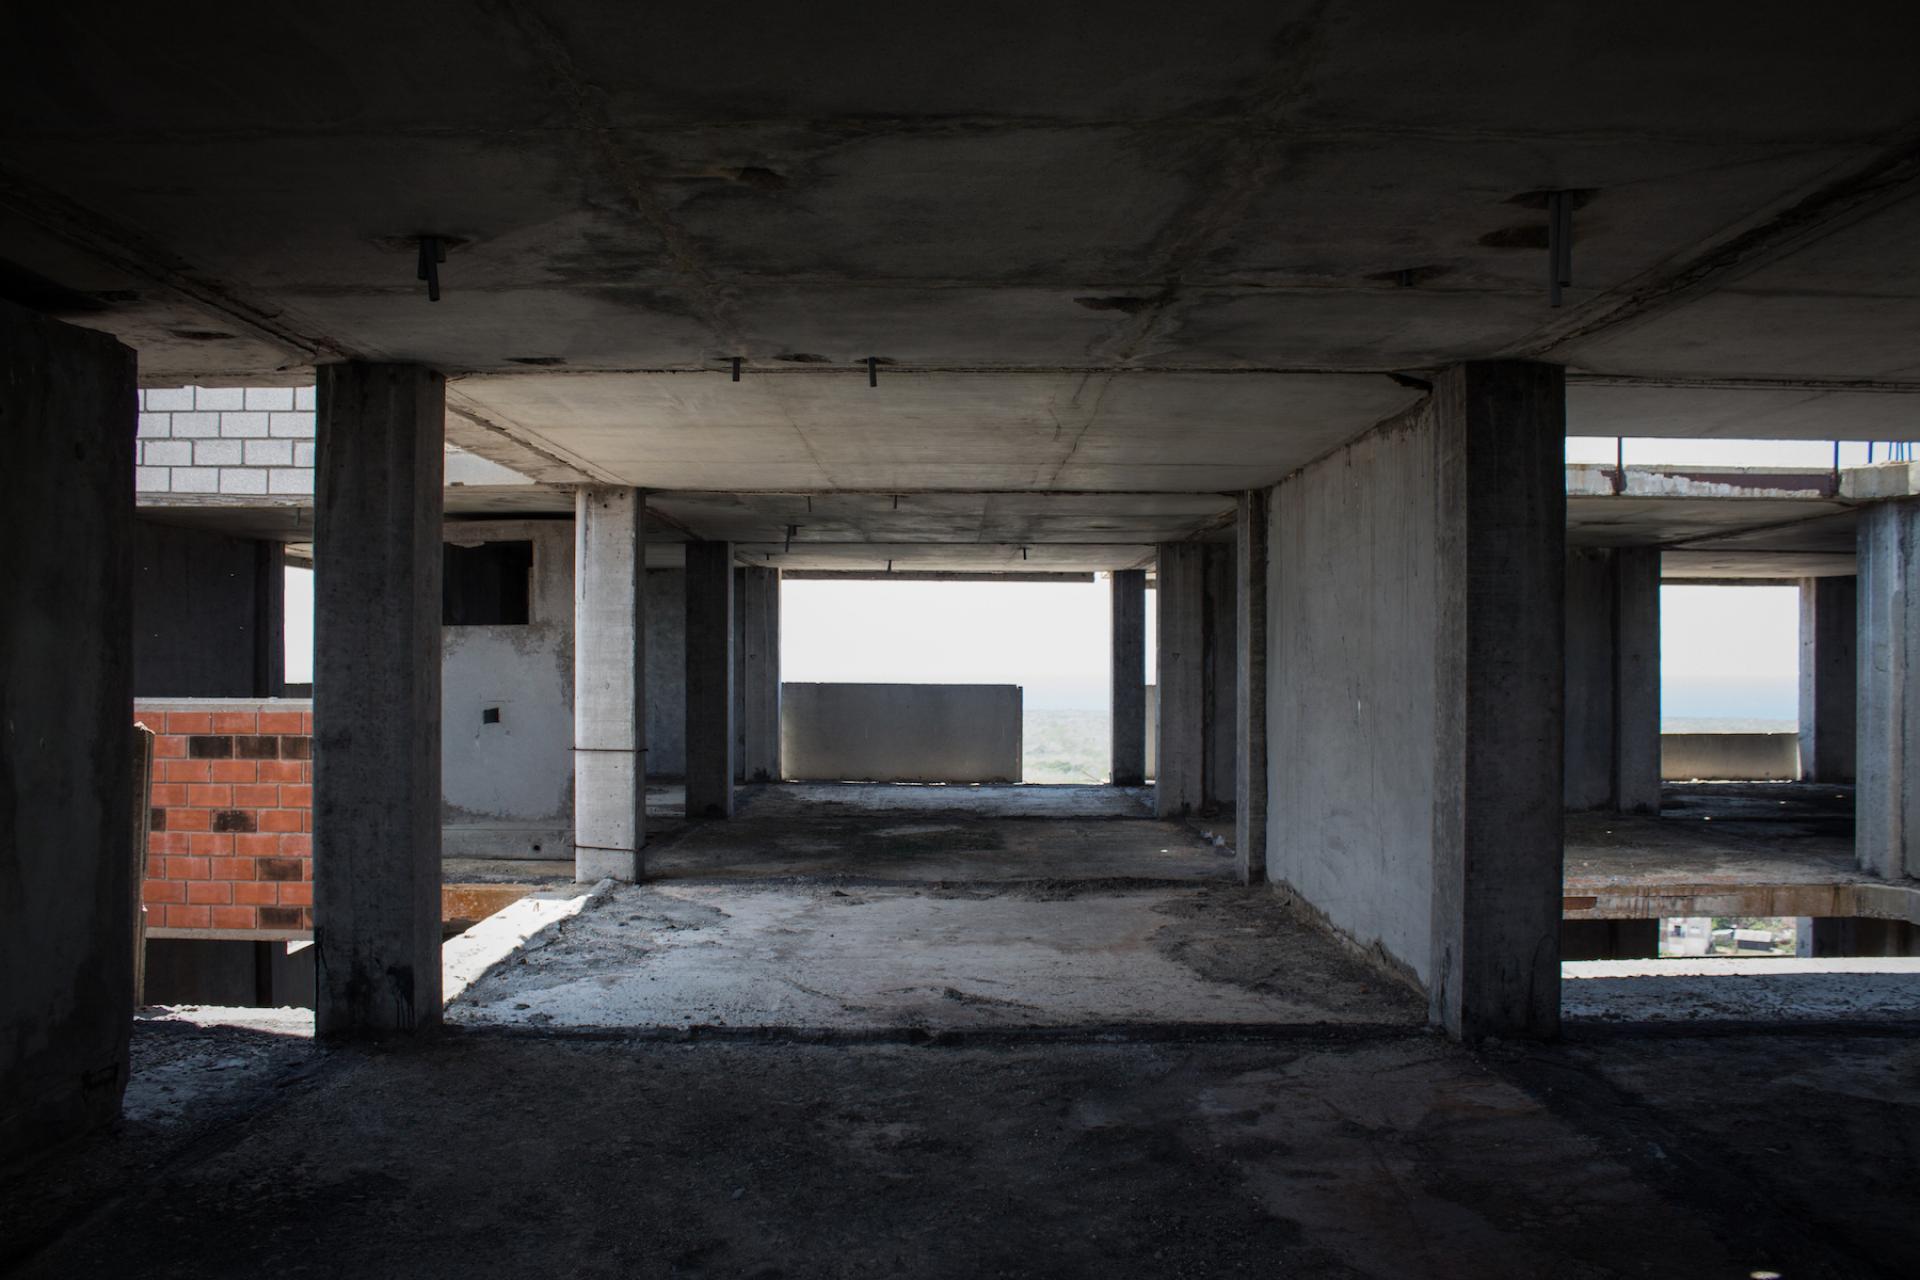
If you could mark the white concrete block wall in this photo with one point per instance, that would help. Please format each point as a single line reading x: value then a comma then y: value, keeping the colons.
x: 225, y: 440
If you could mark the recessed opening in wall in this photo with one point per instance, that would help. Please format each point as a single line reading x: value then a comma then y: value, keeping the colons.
x: 1051, y: 639
x: 488, y: 585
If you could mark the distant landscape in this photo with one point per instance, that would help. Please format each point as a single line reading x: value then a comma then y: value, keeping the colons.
x: 1066, y: 746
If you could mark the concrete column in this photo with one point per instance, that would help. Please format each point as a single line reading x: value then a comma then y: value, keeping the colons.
x: 710, y: 742
x: 1636, y: 679
x: 67, y: 409
x: 376, y: 708
x: 759, y: 666
x: 1829, y: 615
x: 1220, y: 679
x: 1416, y: 672
x: 1129, y: 701
x: 609, y: 685
x: 1179, y: 785
x: 269, y: 619
x: 1612, y: 608
x: 1250, y: 648
x: 1887, y: 743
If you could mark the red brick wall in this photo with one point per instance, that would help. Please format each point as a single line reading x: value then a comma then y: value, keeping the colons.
x: 232, y: 844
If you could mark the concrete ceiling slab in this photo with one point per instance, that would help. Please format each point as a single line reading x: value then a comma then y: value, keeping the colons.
x: 1112, y: 250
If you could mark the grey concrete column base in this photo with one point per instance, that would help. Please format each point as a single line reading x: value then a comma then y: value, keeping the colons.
x: 590, y: 866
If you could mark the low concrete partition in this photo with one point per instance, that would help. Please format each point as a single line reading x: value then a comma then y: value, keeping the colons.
x: 901, y: 732
x: 1730, y: 757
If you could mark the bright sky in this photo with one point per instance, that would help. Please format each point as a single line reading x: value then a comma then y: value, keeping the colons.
x: 1051, y: 638
x: 1727, y: 651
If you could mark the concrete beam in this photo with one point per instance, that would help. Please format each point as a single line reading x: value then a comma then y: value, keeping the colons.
x: 67, y: 410
x: 1887, y: 750
x: 376, y: 710
x: 759, y: 701
x: 1129, y: 701
x: 1829, y: 677
x: 710, y: 739
x: 1179, y: 784
x: 1250, y: 768
x: 609, y: 685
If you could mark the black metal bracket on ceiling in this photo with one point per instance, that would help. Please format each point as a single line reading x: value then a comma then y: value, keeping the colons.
x: 433, y: 252
x: 1559, y: 243
x: 791, y: 530
x: 873, y: 371
x: 736, y: 368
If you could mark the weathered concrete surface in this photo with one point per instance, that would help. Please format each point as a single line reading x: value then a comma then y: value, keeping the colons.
x: 902, y: 732
x: 67, y: 886
x: 666, y: 648
x: 1829, y: 678
x: 1250, y: 687
x: 1416, y: 601
x: 962, y: 956
x: 1729, y: 757
x: 1128, y: 703
x: 933, y: 835
x: 1613, y: 679
x: 1742, y: 989
x: 609, y: 755
x: 376, y: 709
x: 1180, y: 709
x: 506, y: 709
x: 1887, y: 754
x: 1726, y: 849
x: 759, y: 674
x: 709, y: 679
x: 1319, y: 1155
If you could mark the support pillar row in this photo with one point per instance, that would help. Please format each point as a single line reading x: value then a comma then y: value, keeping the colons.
x: 1250, y: 772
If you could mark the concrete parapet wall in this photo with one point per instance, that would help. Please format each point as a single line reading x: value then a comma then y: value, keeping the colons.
x: 1731, y: 757
x: 901, y: 732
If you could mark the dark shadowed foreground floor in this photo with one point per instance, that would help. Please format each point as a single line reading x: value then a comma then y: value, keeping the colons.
x: 1359, y: 1152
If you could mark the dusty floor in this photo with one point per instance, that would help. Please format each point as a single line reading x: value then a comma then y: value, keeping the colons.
x: 478, y: 1155
x: 1737, y: 832
x: 884, y: 960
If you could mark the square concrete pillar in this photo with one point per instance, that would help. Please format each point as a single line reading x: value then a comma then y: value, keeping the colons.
x: 376, y: 698
x: 609, y: 685
x: 1613, y: 679
x: 67, y: 886
x: 1250, y: 693
x: 759, y: 671
x: 1415, y: 673
x: 1829, y: 676
x: 1220, y: 676
x: 710, y: 738
x: 1179, y: 784
x: 1887, y: 749
x: 1129, y: 702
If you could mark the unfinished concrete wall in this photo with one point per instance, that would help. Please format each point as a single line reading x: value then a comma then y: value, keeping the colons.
x: 506, y: 710
x: 208, y: 614
x: 1736, y: 757
x: 1887, y: 750
x: 67, y: 413
x: 901, y: 732
x: 666, y: 673
x: 1415, y: 680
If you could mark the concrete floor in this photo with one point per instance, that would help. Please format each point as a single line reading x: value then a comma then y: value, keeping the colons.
x: 477, y: 1155
x: 891, y: 961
